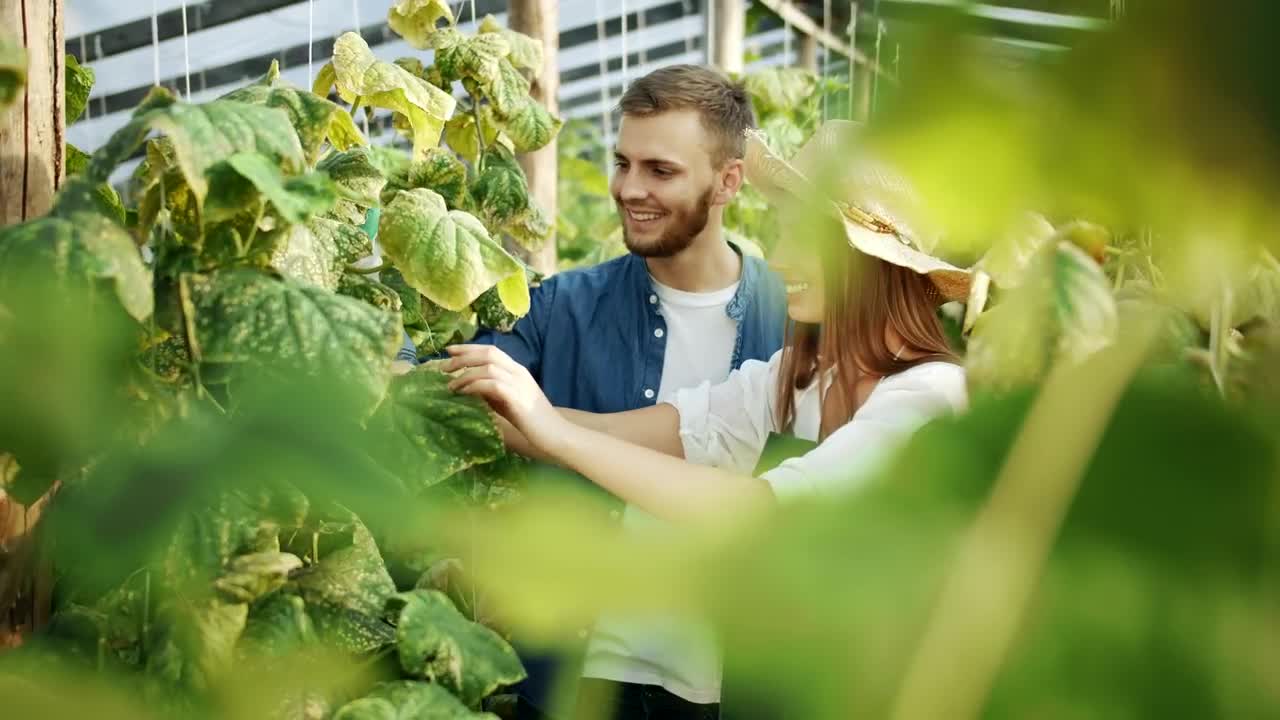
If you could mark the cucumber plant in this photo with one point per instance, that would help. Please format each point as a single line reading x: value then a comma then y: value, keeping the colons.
x: 162, y: 351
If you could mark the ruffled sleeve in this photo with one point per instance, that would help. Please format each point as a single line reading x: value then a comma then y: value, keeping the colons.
x: 726, y: 425
x: 895, y: 409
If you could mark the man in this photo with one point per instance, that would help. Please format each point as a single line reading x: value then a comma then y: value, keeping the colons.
x: 683, y: 307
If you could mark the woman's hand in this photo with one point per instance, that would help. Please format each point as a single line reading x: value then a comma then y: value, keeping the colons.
x: 509, y: 389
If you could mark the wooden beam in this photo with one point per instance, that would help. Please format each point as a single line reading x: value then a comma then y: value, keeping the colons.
x: 32, y: 131
x: 540, y: 19
x: 728, y: 28
x: 805, y: 24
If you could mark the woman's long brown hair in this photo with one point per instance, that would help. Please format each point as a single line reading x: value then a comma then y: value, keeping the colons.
x: 863, y: 296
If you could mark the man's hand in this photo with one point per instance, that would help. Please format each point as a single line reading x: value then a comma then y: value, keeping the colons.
x: 511, y: 391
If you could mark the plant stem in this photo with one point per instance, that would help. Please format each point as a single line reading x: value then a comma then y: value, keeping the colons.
x: 241, y: 250
x: 480, y: 148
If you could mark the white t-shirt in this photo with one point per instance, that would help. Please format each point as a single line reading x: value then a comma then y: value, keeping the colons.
x: 679, y: 654
x: 726, y: 425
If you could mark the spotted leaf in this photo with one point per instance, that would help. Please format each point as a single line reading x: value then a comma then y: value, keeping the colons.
x: 436, y: 643
x: 417, y: 20
x: 432, y: 432
x: 315, y: 118
x: 361, y: 77
x: 251, y: 319
x: 526, y: 52
x: 531, y: 127
x: 447, y: 255
x: 408, y: 700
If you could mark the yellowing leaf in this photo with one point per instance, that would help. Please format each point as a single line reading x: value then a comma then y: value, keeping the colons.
x: 507, y: 90
x: 474, y: 57
x: 361, y: 77
x: 314, y: 117
x: 447, y: 255
x: 415, y: 20
x: 513, y: 290
x: 531, y: 127
x: 526, y: 52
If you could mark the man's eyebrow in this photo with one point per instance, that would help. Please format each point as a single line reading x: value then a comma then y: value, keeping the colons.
x: 649, y: 161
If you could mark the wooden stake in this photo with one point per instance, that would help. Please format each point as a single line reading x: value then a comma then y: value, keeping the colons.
x: 541, y: 19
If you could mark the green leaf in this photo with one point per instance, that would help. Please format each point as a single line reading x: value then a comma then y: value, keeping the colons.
x: 360, y: 182
x: 530, y: 227
x: 81, y: 248
x: 436, y: 643
x: 203, y: 136
x: 362, y: 77
x: 379, y: 295
x: 78, y: 195
x: 447, y: 255
x: 1063, y: 311
x: 296, y: 199
x: 460, y: 133
x: 410, y: 299
x: 474, y: 57
x: 13, y: 71
x: 779, y: 89
x: 440, y: 328
x: 197, y: 648
x: 252, y: 576
x: 247, y: 317
x: 1012, y: 254
x: 526, y: 52
x: 442, y: 172
x: 492, y: 313
x: 501, y: 188
x: 79, y: 83
x: 318, y: 252
x: 531, y: 127
x: 415, y: 20
x: 433, y: 432
x: 507, y: 89
x: 345, y: 594
x: 408, y: 700
x: 77, y: 160
x: 315, y: 118
x: 278, y: 627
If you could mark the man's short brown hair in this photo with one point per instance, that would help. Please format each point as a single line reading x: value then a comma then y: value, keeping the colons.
x: 722, y: 104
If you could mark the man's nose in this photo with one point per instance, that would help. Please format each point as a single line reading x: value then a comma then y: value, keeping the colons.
x: 629, y: 188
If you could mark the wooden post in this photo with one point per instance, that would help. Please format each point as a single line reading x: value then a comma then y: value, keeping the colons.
x: 31, y: 171
x: 728, y: 31
x: 540, y: 19
x: 808, y: 58
x: 32, y: 131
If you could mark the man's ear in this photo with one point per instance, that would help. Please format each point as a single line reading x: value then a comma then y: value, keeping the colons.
x: 731, y: 177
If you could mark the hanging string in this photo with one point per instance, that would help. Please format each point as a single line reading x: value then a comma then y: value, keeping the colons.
x: 875, y: 82
x: 688, y: 38
x: 186, y: 51
x: 640, y: 26
x: 606, y: 115
x: 355, y: 17
x: 711, y: 32
x: 853, y: 52
x: 826, y: 51
x: 624, y: 44
x: 786, y: 39
x: 311, y: 39
x: 155, y: 43
x: 84, y: 60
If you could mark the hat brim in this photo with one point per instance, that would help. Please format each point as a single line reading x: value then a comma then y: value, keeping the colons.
x: 781, y: 182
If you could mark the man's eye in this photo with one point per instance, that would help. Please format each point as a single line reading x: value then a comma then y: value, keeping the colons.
x: 662, y: 172
x: 620, y: 163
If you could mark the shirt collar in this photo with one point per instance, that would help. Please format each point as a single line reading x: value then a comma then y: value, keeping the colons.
x: 642, y: 282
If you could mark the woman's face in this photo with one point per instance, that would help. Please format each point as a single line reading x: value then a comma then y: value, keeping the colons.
x: 798, y: 260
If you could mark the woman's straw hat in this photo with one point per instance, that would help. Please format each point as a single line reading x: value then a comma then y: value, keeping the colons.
x: 878, y: 208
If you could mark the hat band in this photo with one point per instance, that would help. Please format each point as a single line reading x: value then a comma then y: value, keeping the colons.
x: 871, y: 221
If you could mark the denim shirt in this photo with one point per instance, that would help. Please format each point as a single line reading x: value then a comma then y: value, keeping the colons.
x: 594, y: 338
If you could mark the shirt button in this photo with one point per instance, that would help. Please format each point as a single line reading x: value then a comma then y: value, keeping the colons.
x: 659, y: 333
x: 653, y: 299
x: 648, y: 393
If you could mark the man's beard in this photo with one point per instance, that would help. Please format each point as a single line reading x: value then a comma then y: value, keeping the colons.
x: 683, y: 227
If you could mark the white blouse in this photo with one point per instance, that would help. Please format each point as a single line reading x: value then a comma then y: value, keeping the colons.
x: 726, y: 425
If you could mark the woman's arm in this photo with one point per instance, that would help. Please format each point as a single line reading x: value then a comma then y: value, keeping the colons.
x: 661, y: 485
x: 657, y: 427
x: 654, y: 481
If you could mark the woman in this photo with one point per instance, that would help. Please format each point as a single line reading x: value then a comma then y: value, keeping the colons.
x: 866, y: 362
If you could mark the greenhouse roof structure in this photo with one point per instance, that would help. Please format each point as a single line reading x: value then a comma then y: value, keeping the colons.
x: 205, y: 49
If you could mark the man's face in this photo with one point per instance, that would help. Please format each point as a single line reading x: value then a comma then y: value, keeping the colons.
x: 664, y: 182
